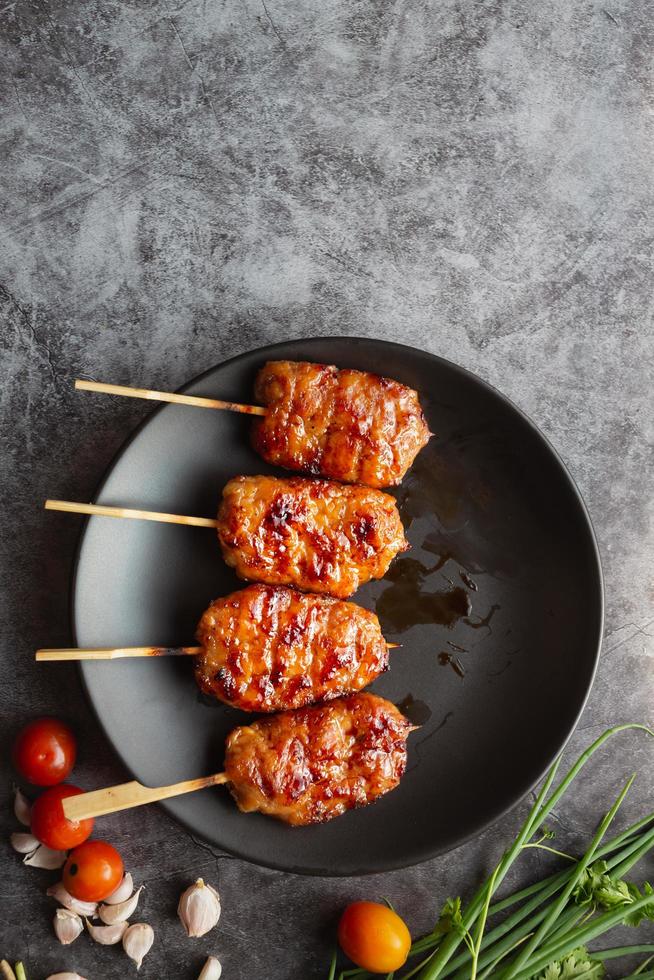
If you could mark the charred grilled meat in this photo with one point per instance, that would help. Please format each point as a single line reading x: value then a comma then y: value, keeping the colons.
x: 270, y: 648
x: 312, y: 534
x: 313, y: 764
x: 342, y: 424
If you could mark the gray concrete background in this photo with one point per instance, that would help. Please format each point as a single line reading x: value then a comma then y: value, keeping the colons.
x: 182, y: 181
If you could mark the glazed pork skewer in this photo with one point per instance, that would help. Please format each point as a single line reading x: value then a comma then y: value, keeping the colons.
x: 343, y: 424
x: 303, y: 767
x: 270, y: 648
x: 314, y: 535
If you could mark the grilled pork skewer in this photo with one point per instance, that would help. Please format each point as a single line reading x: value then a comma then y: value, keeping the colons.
x: 302, y: 767
x: 314, y: 535
x: 346, y: 425
x: 269, y: 648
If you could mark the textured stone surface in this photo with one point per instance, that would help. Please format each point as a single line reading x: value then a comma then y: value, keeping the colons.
x: 182, y: 181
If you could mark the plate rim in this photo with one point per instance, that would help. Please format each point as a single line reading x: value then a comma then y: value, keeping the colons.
x: 597, y: 587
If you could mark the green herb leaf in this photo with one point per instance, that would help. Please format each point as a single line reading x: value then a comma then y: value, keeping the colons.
x: 646, y: 911
x: 597, y: 888
x: 575, y: 966
x: 450, y: 919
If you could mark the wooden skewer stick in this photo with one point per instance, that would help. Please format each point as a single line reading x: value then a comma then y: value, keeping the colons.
x: 140, y: 515
x: 113, y: 653
x: 127, y: 795
x: 119, y: 653
x: 167, y: 396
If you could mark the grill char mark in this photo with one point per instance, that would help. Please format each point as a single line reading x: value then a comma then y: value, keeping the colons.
x: 346, y: 425
x: 270, y: 648
x: 312, y: 765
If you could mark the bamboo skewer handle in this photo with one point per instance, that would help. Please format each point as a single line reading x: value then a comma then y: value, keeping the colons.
x: 120, y: 653
x: 166, y: 396
x: 113, y: 653
x: 99, y: 510
x: 128, y: 795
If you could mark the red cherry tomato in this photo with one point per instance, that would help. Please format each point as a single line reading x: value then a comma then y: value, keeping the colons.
x: 50, y: 826
x: 44, y: 752
x: 93, y: 871
x: 374, y: 937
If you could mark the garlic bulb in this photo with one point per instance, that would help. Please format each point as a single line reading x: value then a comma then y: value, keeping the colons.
x: 120, y: 912
x: 45, y: 857
x: 59, y: 893
x: 67, y: 926
x: 65, y: 976
x: 123, y: 892
x: 212, y: 970
x: 137, y: 942
x: 199, y: 909
x: 22, y: 809
x: 24, y: 843
x: 107, y: 935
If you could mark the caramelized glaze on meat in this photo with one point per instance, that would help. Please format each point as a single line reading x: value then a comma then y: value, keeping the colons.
x: 312, y: 534
x: 311, y: 765
x: 270, y: 648
x: 342, y: 424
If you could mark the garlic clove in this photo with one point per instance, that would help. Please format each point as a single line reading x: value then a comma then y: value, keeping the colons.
x: 59, y: 893
x: 22, y: 809
x: 137, y: 942
x: 67, y: 926
x: 120, y: 912
x: 24, y: 843
x: 123, y: 892
x: 107, y: 935
x: 65, y: 976
x: 45, y: 857
x: 199, y: 909
x: 212, y: 970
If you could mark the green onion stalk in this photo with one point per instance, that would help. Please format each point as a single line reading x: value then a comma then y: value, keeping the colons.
x: 553, y: 919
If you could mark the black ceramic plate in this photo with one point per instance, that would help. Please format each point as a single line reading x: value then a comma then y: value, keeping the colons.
x: 498, y: 607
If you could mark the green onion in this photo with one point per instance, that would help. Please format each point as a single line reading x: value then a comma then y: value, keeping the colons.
x: 561, y: 901
x: 616, y: 951
x: 534, y: 821
x: 584, y: 935
x: 552, y: 920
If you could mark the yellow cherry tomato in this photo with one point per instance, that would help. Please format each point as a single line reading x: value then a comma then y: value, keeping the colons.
x: 374, y: 937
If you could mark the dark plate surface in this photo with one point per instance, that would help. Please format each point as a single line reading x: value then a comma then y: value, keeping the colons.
x: 502, y: 584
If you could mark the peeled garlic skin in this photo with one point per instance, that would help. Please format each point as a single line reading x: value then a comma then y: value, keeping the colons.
x: 120, y: 912
x: 65, y: 976
x: 212, y: 969
x: 199, y: 909
x: 24, y: 843
x: 45, y: 857
x: 22, y: 809
x: 107, y: 935
x: 137, y: 942
x: 67, y: 926
x: 59, y: 893
x: 123, y: 892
